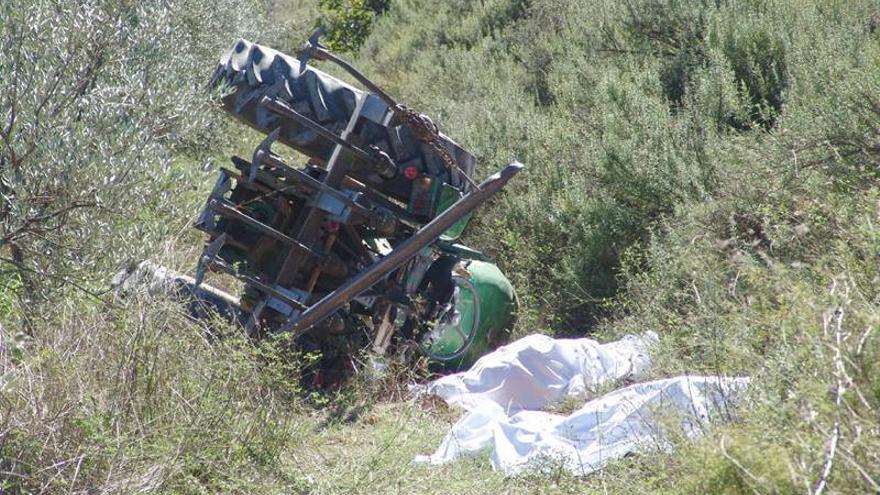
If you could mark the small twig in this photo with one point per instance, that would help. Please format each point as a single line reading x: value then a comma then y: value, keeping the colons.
x: 740, y: 467
x: 32, y: 224
x: 696, y: 293
x: 848, y: 457
x: 829, y: 458
x: 64, y: 280
x: 862, y: 340
x: 838, y: 399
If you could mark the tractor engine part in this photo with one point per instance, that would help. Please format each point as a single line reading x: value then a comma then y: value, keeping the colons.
x: 361, y: 239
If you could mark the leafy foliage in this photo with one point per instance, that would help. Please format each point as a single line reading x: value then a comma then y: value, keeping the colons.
x: 704, y: 169
x: 348, y: 21
x: 98, y: 97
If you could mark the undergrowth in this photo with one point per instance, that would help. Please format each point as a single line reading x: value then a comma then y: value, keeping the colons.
x: 707, y: 170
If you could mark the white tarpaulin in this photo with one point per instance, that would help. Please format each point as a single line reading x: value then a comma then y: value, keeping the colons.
x: 505, y: 392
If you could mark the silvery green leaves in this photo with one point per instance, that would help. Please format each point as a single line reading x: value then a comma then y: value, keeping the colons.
x: 98, y: 102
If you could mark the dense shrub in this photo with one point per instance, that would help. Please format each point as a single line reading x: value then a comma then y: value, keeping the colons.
x: 707, y: 170
x: 99, y: 97
x: 107, y: 138
x: 347, y: 22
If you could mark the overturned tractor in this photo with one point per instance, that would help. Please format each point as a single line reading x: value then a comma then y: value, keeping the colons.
x: 357, y: 246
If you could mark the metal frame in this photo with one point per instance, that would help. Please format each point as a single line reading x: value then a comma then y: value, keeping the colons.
x: 323, y: 218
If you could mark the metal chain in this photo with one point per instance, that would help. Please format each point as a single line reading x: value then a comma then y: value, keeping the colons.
x: 427, y: 132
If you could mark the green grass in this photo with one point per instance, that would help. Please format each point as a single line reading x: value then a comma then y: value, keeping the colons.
x: 706, y: 170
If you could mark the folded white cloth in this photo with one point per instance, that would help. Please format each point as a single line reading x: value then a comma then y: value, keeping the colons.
x: 505, y: 391
x: 537, y: 370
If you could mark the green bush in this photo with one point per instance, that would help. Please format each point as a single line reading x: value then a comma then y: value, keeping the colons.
x: 706, y: 170
x: 105, y: 145
x: 134, y: 396
x: 348, y: 21
x: 99, y: 98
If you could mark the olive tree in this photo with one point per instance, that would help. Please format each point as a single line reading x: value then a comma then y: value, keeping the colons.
x: 96, y: 98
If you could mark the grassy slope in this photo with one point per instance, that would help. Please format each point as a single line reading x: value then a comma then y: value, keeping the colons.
x: 706, y: 170
x: 715, y: 160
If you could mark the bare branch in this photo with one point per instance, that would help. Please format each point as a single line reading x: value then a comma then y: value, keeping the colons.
x: 63, y: 280
x: 32, y: 224
x: 839, y: 373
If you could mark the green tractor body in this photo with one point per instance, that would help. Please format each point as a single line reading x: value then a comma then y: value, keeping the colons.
x: 358, y: 245
x: 482, y: 317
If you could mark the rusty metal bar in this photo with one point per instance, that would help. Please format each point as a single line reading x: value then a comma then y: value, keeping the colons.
x: 308, y: 230
x: 406, y: 250
x: 306, y: 180
x: 225, y: 268
x: 226, y: 209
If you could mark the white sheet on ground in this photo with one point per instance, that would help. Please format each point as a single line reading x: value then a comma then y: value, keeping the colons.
x: 505, y: 391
